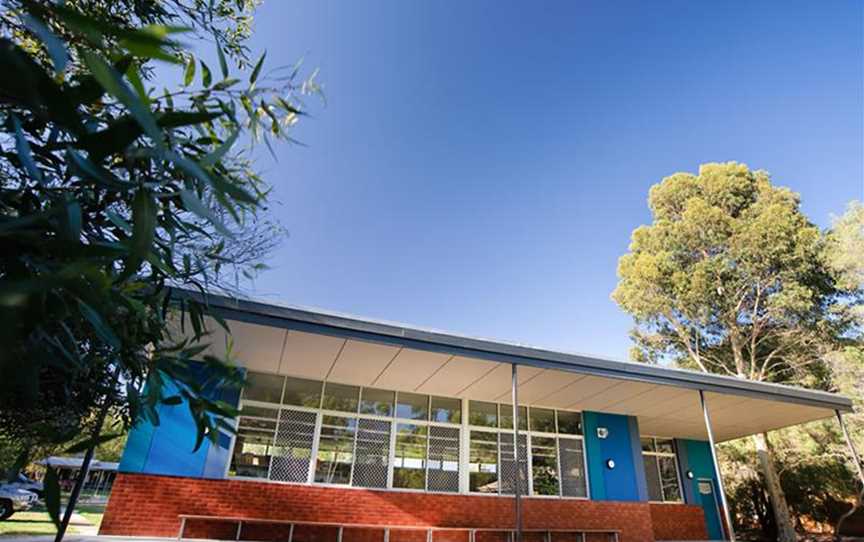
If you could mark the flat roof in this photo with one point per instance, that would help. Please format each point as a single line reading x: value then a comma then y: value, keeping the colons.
x: 341, y: 325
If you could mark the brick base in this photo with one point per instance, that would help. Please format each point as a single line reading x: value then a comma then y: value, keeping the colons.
x: 148, y: 505
x: 678, y: 522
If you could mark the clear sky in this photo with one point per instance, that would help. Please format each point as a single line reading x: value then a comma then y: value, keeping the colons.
x: 479, y: 165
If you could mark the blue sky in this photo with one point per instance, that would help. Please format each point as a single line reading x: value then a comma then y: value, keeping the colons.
x: 479, y: 165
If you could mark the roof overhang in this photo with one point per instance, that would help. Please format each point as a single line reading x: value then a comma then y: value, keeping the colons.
x: 339, y: 348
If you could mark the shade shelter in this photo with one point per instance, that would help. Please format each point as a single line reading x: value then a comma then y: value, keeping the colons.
x: 412, y: 428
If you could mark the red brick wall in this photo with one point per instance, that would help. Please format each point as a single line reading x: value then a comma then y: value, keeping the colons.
x: 678, y: 522
x: 148, y: 505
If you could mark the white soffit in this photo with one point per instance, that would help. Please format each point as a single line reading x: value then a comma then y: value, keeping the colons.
x: 409, y: 369
x: 309, y: 355
x: 361, y: 362
x: 455, y: 375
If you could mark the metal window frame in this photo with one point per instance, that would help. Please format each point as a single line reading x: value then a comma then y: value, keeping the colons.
x: 657, y: 455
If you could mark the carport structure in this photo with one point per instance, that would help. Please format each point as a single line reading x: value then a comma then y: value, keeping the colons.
x: 639, y: 428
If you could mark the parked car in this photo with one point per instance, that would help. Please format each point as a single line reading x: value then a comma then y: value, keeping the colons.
x: 28, y: 484
x: 14, y: 499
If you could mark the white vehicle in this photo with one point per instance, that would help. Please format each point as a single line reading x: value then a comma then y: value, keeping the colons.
x: 21, y: 481
x: 14, y: 499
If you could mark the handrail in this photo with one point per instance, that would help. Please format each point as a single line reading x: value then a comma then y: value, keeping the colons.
x: 614, y: 534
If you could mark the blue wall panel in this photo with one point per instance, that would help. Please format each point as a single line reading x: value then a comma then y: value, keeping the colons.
x: 695, y: 456
x: 622, y: 482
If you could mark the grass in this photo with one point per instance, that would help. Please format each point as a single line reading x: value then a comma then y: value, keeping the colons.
x: 36, y: 521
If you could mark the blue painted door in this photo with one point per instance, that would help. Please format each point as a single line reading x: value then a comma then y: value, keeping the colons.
x: 708, y: 500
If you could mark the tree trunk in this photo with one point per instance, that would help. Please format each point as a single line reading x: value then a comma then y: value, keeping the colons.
x: 785, y: 528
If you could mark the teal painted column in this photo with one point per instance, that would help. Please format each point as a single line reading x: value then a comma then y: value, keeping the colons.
x: 620, y: 483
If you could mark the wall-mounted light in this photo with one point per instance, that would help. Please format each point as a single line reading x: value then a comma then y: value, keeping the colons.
x: 610, y: 464
x: 690, y: 474
x: 602, y: 432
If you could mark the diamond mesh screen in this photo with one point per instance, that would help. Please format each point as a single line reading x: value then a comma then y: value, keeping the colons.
x: 508, y: 465
x: 443, y: 474
x: 572, y: 468
x: 292, y: 447
x: 372, y: 454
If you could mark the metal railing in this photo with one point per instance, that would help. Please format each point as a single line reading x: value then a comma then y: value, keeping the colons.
x: 613, y: 535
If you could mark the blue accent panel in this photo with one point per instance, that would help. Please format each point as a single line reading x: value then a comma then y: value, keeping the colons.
x: 684, y: 465
x: 619, y: 484
x: 594, y: 458
x: 699, y: 461
x: 167, y: 448
x: 638, y: 460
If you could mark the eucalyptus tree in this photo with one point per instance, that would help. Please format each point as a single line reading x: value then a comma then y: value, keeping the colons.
x: 114, y: 190
x: 731, y: 278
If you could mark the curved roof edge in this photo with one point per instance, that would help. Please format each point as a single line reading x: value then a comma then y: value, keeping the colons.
x: 258, y: 312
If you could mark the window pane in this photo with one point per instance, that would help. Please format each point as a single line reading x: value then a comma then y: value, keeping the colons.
x: 263, y: 387
x: 544, y: 465
x: 483, y: 414
x: 255, y: 424
x: 569, y: 423
x: 443, y: 459
x: 572, y: 468
x: 508, y: 466
x: 335, y: 450
x: 260, y: 412
x: 445, y: 409
x: 652, y: 476
x: 378, y: 402
x: 372, y: 455
x: 647, y: 444
x: 409, y: 462
x: 292, y: 450
x: 483, y: 462
x: 542, y: 419
x: 669, y: 479
x: 665, y: 445
x: 251, y: 453
x: 302, y: 392
x: 412, y: 406
x: 506, y: 417
x: 340, y: 397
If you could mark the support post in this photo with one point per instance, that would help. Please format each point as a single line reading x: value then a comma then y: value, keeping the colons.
x: 517, y: 489
x: 855, y: 458
x: 730, y: 531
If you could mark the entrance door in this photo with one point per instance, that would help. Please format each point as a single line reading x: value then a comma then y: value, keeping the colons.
x: 711, y: 505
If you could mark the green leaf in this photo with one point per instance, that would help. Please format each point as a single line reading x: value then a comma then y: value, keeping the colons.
x: 195, y: 205
x: 189, y: 74
x: 22, y: 147
x: 135, y: 78
x: 223, y: 65
x: 51, y: 488
x: 88, y: 169
x: 206, y: 76
x: 215, y: 156
x: 257, y: 70
x: 119, y: 221
x: 103, y: 330
x: 86, y: 444
x: 225, y: 83
x: 143, y: 228
x: 71, y: 220
x: 54, y: 45
x: 114, y: 85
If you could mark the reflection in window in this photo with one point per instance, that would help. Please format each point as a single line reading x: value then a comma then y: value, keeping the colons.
x: 372, y: 454
x: 443, y: 459
x: 482, y: 414
x: 506, y: 417
x: 573, y: 482
x: 335, y: 450
x: 302, y: 392
x: 661, y: 469
x: 544, y: 465
x: 446, y: 410
x: 377, y: 402
x: 483, y: 462
x: 340, y: 397
x: 251, y: 453
x: 409, y: 461
x: 569, y: 423
x: 412, y: 406
x: 542, y: 420
x: 263, y: 387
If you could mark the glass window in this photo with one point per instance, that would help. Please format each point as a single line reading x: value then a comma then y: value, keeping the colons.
x: 483, y: 462
x: 378, y: 402
x: 544, y: 465
x: 542, y: 420
x: 506, y: 417
x: 508, y: 465
x: 482, y: 414
x: 263, y: 387
x: 446, y: 410
x: 292, y: 447
x: 335, y: 450
x: 569, y: 423
x: 259, y: 412
x: 409, y: 461
x: 252, y: 452
x: 573, y: 483
x: 340, y: 397
x: 302, y: 392
x: 443, y: 459
x: 661, y: 469
x: 372, y: 453
x: 412, y: 406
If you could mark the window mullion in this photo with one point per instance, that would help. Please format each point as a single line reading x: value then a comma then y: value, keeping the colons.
x: 316, y: 441
x: 391, y: 461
